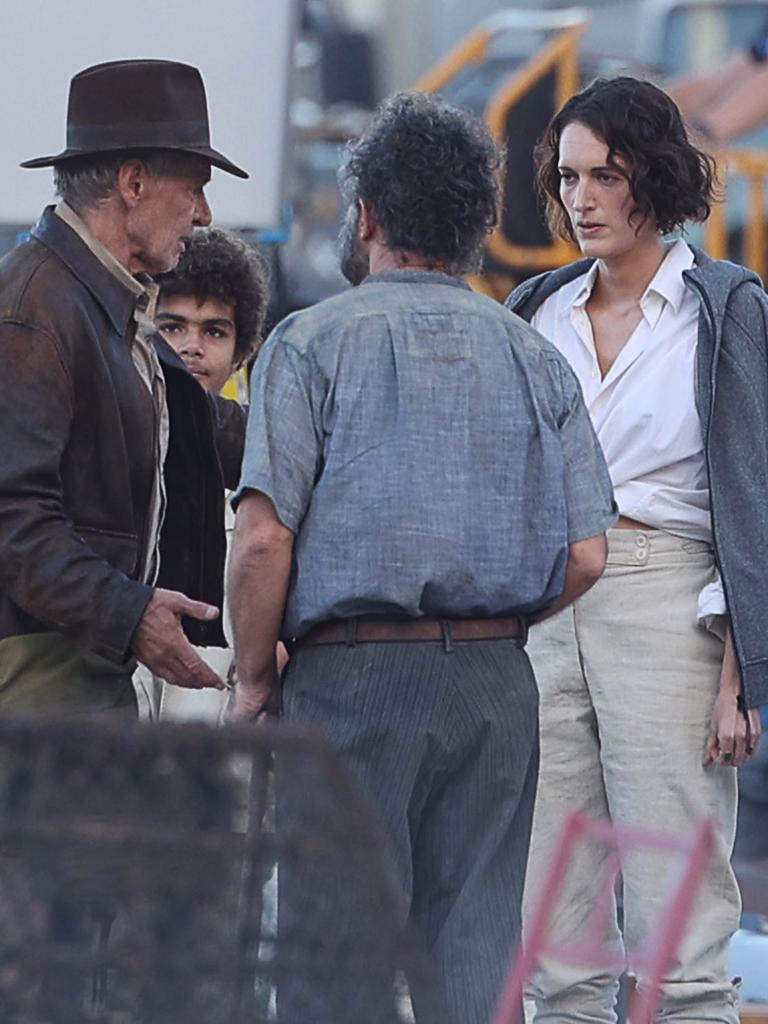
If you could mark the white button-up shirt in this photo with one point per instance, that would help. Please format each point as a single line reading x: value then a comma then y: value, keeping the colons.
x: 644, y: 409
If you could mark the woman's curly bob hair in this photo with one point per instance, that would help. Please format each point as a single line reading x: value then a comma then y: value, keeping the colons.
x: 670, y: 180
x: 427, y: 172
x: 219, y: 265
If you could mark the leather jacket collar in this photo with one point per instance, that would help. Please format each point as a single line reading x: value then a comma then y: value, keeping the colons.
x: 117, y: 301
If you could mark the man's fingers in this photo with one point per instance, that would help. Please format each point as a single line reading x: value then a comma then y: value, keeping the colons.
x: 189, y: 670
x: 196, y: 609
x: 203, y: 675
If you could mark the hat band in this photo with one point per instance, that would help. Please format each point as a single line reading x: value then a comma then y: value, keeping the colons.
x: 90, y: 138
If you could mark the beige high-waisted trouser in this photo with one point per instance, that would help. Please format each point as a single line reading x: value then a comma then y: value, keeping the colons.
x: 627, y: 681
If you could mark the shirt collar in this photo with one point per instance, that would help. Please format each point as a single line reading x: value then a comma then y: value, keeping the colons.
x: 584, y: 289
x: 416, y: 277
x: 666, y: 285
x: 668, y: 281
x: 143, y: 288
x: 574, y: 294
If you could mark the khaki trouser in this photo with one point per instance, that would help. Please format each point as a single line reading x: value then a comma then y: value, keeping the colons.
x: 49, y: 672
x: 627, y: 681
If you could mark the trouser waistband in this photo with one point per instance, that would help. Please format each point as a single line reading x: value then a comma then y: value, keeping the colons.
x: 361, y: 630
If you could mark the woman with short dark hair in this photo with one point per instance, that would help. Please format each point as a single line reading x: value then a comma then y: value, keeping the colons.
x: 648, y: 682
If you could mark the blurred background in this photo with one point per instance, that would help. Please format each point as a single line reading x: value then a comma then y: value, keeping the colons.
x: 289, y: 81
x: 514, y: 66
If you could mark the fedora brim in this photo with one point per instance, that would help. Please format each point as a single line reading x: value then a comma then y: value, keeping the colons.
x: 217, y: 159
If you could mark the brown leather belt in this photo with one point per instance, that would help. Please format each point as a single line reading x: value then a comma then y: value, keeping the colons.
x: 352, y: 631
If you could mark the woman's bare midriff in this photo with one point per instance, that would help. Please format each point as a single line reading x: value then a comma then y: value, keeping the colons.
x: 625, y: 523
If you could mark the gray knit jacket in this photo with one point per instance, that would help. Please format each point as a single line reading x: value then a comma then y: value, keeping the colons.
x: 732, y: 403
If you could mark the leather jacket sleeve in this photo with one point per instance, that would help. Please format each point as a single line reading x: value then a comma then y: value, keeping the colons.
x: 58, y: 573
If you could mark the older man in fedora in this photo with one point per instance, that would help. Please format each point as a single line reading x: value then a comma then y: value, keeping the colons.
x: 113, y: 457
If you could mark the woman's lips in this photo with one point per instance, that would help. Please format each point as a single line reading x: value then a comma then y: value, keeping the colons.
x: 589, y: 230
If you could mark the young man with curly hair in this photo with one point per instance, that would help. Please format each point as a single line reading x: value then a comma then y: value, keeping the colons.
x: 420, y: 480
x: 211, y: 309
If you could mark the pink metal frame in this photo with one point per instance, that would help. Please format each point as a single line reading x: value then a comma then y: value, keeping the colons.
x: 656, y: 955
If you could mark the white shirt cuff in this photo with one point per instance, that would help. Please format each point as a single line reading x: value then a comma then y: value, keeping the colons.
x: 712, y: 612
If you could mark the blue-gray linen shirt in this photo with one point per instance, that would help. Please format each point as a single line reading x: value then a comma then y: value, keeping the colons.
x: 430, y: 450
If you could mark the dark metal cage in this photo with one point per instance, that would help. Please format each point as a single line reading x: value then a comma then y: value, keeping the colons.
x: 159, y: 873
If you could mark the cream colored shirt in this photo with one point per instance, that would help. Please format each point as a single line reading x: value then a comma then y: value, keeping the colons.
x: 644, y: 409
x: 148, y: 367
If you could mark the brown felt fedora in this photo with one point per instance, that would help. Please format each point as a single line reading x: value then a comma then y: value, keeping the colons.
x: 137, y: 104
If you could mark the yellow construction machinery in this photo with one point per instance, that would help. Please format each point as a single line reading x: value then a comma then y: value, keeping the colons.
x: 492, y: 72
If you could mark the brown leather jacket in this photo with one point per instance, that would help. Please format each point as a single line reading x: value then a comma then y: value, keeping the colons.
x: 77, y: 437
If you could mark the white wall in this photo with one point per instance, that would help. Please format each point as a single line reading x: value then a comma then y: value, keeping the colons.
x: 242, y: 48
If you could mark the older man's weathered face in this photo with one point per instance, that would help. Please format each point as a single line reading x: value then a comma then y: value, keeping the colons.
x: 354, y: 261
x: 171, y: 207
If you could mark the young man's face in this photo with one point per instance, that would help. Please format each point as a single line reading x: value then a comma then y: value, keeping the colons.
x: 204, y: 335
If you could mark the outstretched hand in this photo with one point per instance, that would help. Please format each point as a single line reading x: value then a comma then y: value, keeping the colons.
x: 160, y: 644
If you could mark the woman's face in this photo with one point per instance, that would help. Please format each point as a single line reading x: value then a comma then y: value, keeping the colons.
x: 597, y: 197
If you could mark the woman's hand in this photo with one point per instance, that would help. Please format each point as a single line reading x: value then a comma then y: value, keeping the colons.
x: 733, y: 736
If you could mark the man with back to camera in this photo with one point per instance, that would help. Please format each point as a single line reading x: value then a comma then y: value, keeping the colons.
x: 420, y: 481
x: 107, y: 439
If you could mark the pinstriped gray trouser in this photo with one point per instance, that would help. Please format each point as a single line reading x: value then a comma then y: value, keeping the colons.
x: 443, y: 737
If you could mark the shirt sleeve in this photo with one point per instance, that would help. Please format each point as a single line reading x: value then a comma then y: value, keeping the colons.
x: 712, y: 612
x: 283, y: 444
x: 588, y: 489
